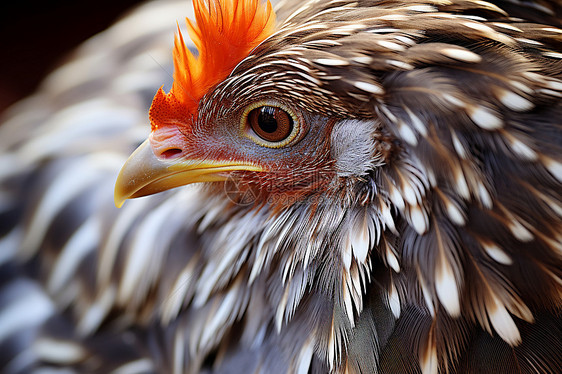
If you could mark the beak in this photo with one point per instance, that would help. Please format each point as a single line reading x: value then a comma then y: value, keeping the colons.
x: 145, y: 174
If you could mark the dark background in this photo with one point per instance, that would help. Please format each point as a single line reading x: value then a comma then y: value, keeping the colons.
x: 35, y: 36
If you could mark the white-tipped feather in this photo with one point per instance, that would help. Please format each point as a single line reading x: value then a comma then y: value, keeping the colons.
x: 553, y: 54
x: 346, y: 254
x: 409, y: 193
x: 453, y: 100
x: 353, y: 284
x: 459, y: 148
x: 407, y: 134
x: 58, y: 351
x: 447, y: 288
x: 428, y: 360
x: 485, y: 118
x: 454, y: 213
x: 365, y: 60
x: 257, y: 266
x: 503, y: 322
x: 360, y: 239
x: 426, y: 295
x: 416, y: 122
x: 332, y: 346
x: 461, y: 55
x: 460, y: 184
x: 521, y: 87
x: 386, y: 215
x: 394, y: 301
x: 419, y: 219
x: 422, y: 8
x: 392, y: 260
x: 488, y: 32
x: 142, y: 365
x: 400, y: 64
x: 497, y: 253
x: 396, y: 197
x: 514, y: 101
x: 297, y: 289
x: 369, y: 87
x: 347, y: 302
x: 331, y: 62
x: 522, y: 150
x: 484, y: 196
x: 507, y: 26
x: 520, y: 232
x: 391, y: 45
x: 280, y: 311
x: 554, y: 167
x: 554, y: 84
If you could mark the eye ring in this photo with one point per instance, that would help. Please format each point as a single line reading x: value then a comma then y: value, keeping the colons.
x: 270, y: 124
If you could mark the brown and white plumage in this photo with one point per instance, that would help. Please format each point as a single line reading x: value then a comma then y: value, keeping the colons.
x: 415, y: 226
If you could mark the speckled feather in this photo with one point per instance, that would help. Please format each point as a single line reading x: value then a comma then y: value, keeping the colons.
x: 430, y: 244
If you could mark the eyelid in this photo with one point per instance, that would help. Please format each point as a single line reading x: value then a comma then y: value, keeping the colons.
x: 247, y: 131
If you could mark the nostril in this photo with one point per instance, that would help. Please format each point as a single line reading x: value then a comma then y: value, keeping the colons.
x: 171, y: 153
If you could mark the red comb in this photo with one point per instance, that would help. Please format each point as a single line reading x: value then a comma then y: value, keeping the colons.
x: 224, y: 32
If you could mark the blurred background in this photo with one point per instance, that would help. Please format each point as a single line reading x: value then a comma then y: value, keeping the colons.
x: 36, y: 36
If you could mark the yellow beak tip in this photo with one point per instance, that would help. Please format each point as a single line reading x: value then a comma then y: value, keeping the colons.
x: 119, y: 201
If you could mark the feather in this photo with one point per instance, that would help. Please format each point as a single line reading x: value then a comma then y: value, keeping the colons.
x: 412, y: 225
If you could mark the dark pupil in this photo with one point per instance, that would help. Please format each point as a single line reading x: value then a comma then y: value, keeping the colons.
x: 266, y: 119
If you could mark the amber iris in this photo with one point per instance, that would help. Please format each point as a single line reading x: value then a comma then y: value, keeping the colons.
x: 271, y: 123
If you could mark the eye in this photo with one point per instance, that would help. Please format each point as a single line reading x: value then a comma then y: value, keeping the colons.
x: 269, y: 125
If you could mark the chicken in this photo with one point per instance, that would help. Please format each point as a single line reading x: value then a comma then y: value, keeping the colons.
x: 375, y: 186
